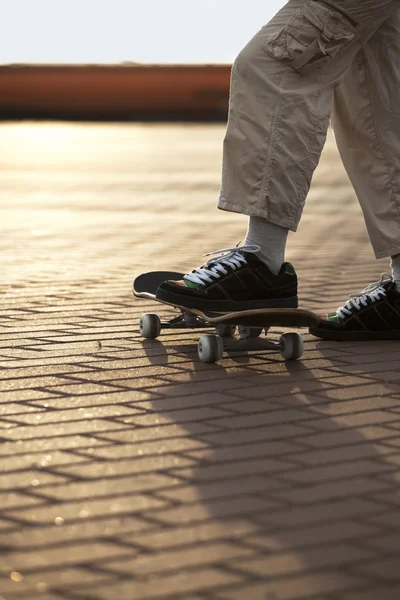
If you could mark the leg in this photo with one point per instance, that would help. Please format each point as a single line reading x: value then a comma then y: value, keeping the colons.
x: 281, y: 100
x: 282, y: 91
x: 367, y: 128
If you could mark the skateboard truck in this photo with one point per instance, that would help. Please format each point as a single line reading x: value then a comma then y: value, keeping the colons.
x: 211, y: 347
x: 250, y: 324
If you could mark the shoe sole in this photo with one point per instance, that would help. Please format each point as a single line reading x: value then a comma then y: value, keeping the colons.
x: 354, y: 336
x: 222, y: 306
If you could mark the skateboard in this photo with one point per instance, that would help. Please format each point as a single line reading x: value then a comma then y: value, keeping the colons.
x: 250, y: 323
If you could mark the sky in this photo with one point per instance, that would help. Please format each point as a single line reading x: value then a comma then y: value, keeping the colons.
x: 114, y: 31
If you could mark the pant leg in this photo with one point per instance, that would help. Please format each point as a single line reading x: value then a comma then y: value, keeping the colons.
x: 367, y: 127
x: 281, y: 100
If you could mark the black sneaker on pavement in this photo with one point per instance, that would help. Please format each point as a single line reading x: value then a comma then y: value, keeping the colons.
x: 374, y: 314
x: 235, y: 280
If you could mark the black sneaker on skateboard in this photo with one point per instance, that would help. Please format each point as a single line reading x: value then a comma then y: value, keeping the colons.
x: 235, y: 280
x: 374, y: 314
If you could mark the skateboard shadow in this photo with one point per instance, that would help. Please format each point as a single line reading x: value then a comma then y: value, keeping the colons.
x: 291, y: 471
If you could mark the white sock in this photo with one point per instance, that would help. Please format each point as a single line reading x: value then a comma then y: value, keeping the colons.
x: 272, y: 240
x: 395, y: 264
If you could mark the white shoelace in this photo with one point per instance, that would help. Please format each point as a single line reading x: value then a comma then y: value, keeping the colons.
x: 214, y: 268
x: 372, y: 293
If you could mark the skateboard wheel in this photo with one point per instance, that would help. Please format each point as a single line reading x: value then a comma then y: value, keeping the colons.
x: 150, y: 326
x: 292, y: 346
x: 210, y: 348
x: 224, y: 330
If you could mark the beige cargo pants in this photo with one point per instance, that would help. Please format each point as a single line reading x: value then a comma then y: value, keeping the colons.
x: 318, y: 58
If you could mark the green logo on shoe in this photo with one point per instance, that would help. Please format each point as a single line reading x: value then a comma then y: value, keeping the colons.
x: 333, y: 318
x: 191, y: 284
x: 289, y: 269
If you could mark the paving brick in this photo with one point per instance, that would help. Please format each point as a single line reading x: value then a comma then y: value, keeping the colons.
x: 342, y: 454
x: 161, y: 432
x: 181, y: 445
x: 287, y: 535
x: 252, y: 434
x: 269, y: 418
x: 72, y: 511
x: 393, y: 442
x: 373, y: 417
x: 178, y: 416
x: 161, y: 476
x: 347, y: 437
x: 216, y: 399
x: 314, y: 586
x: 45, y: 560
x: 353, y: 468
x: 110, y: 398
x: 220, y: 489
x: 332, y: 509
x: 386, y: 543
x: 192, y: 534
x: 91, y: 426
x: 343, y: 407
x: 106, y: 487
x: 218, y: 508
x: 8, y: 525
x: 393, y: 424
x: 208, y: 387
x: 337, y: 489
x: 361, y: 391
x: 135, y: 465
x: 388, y: 518
x: 103, y: 528
x: 373, y: 371
x: 29, y: 478
x: 172, y: 585
x: 24, y: 395
x: 38, y: 594
x: 374, y: 591
x: 79, y: 388
x: 51, y: 417
x: 42, y: 460
x: 35, y: 585
x: 288, y: 563
x: 243, y: 451
x: 22, y: 383
x: 382, y: 568
x: 148, y: 371
x: 235, y: 468
x: 31, y: 447
x: 200, y: 556
x: 20, y: 499
x: 17, y: 408
x: 390, y: 497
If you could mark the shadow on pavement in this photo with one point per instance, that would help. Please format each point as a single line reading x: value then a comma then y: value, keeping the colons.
x: 295, y: 471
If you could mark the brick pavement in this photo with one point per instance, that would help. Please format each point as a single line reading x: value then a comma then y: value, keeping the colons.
x: 128, y: 469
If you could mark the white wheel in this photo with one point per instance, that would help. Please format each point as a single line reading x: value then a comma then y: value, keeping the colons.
x: 224, y: 330
x: 210, y: 348
x: 292, y: 346
x: 150, y: 326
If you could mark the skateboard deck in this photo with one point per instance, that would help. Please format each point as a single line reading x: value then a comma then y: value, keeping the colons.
x: 145, y: 286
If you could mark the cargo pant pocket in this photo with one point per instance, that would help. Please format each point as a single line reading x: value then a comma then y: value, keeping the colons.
x: 314, y: 35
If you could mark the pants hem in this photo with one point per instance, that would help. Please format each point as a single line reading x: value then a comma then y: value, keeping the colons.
x: 387, y: 252
x: 250, y: 211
